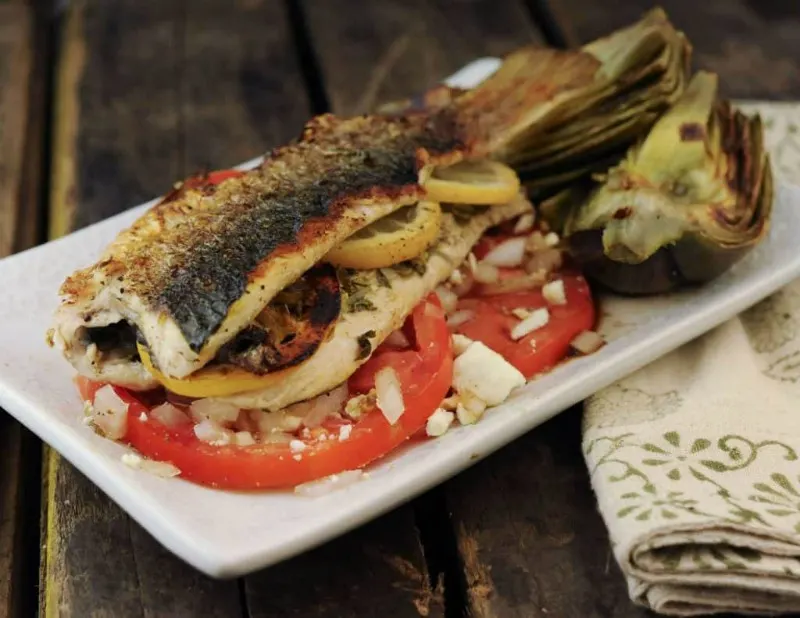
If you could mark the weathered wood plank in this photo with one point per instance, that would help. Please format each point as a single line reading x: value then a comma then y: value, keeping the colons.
x: 529, y: 535
x: 375, y: 52
x: 377, y: 570
x: 753, y: 44
x: 21, y: 124
x: 20, y: 147
x: 147, y: 93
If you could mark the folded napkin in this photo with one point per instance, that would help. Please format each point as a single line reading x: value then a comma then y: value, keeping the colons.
x: 695, y: 460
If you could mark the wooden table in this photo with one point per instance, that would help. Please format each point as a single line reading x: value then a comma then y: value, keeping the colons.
x: 105, y: 103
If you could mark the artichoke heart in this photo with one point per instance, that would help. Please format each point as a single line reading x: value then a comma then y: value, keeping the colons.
x: 683, y: 206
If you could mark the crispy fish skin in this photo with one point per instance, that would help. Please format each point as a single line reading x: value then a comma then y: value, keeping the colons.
x: 195, y: 270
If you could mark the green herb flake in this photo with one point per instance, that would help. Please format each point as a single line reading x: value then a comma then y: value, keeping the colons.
x: 364, y: 344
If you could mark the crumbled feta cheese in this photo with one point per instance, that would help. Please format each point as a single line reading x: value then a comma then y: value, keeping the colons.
x: 482, y: 372
x: 450, y: 402
x: 538, y: 318
x: 356, y: 406
x: 297, y: 457
x: 554, y: 293
x: 456, y: 277
x: 551, y: 239
x: 297, y: 446
x: 439, y: 422
x: 243, y: 438
x: 211, y: 432
x: 520, y: 313
x: 466, y: 416
x: 460, y: 343
x: 143, y: 417
x: 344, y: 432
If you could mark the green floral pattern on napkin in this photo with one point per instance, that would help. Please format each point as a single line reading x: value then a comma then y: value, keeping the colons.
x: 695, y: 459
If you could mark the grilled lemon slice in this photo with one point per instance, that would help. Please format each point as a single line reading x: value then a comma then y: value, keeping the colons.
x: 481, y: 182
x: 395, y: 238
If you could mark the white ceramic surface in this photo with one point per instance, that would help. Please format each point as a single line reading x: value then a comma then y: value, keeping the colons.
x: 227, y: 534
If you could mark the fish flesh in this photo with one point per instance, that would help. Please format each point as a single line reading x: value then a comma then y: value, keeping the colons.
x: 391, y: 293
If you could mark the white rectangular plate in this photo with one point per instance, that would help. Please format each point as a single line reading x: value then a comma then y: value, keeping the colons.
x: 226, y: 534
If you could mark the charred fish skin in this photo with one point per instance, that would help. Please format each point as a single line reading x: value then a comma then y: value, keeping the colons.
x: 199, y: 293
x: 195, y: 270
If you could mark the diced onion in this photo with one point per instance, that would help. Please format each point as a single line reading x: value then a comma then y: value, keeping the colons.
x: 389, y: 394
x: 525, y: 223
x: 168, y: 415
x: 463, y: 283
x: 544, y: 261
x: 486, y: 273
x: 110, y: 413
x: 459, y: 317
x: 514, y: 284
x: 536, y: 320
x: 217, y: 411
x: 553, y: 292
x: 460, y: 343
x: 397, y: 339
x: 328, y: 484
x: 587, y: 342
x: 535, y: 242
x: 164, y: 469
x: 508, y: 253
x: 244, y: 438
x: 314, y: 411
x: 448, y: 298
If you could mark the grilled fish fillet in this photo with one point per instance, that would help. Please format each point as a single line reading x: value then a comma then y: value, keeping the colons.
x: 197, y: 268
x: 340, y: 355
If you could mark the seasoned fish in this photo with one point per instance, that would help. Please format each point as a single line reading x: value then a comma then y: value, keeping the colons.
x: 386, y: 297
x: 197, y: 268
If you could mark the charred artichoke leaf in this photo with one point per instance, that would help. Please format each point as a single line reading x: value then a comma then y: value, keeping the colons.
x: 643, y: 71
x: 689, y: 200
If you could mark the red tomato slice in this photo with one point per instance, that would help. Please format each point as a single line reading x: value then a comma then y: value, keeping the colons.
x: 543, y: 348
x: 424, y: 381
x: 210, y: 179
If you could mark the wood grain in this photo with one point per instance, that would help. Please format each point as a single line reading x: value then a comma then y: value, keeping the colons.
x: 532, y: 542
x: 146, y: 93
x: 397, y: 48
x: 377, y: 570
x: 754, y: 45
x: 21, y: 125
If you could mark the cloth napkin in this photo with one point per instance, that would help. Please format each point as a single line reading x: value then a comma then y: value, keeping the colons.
x: 695, y: 460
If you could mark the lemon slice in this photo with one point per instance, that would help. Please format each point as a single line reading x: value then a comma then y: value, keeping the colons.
x: 481, y: 182
x: 395, y: 238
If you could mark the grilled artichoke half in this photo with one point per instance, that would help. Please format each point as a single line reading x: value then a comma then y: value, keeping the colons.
x: 644, y: 69
x: 684, y: 205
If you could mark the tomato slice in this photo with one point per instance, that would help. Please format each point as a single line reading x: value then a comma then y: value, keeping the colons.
x: 211, y: 179
x: 543, y: 348
x: 425, y: 375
